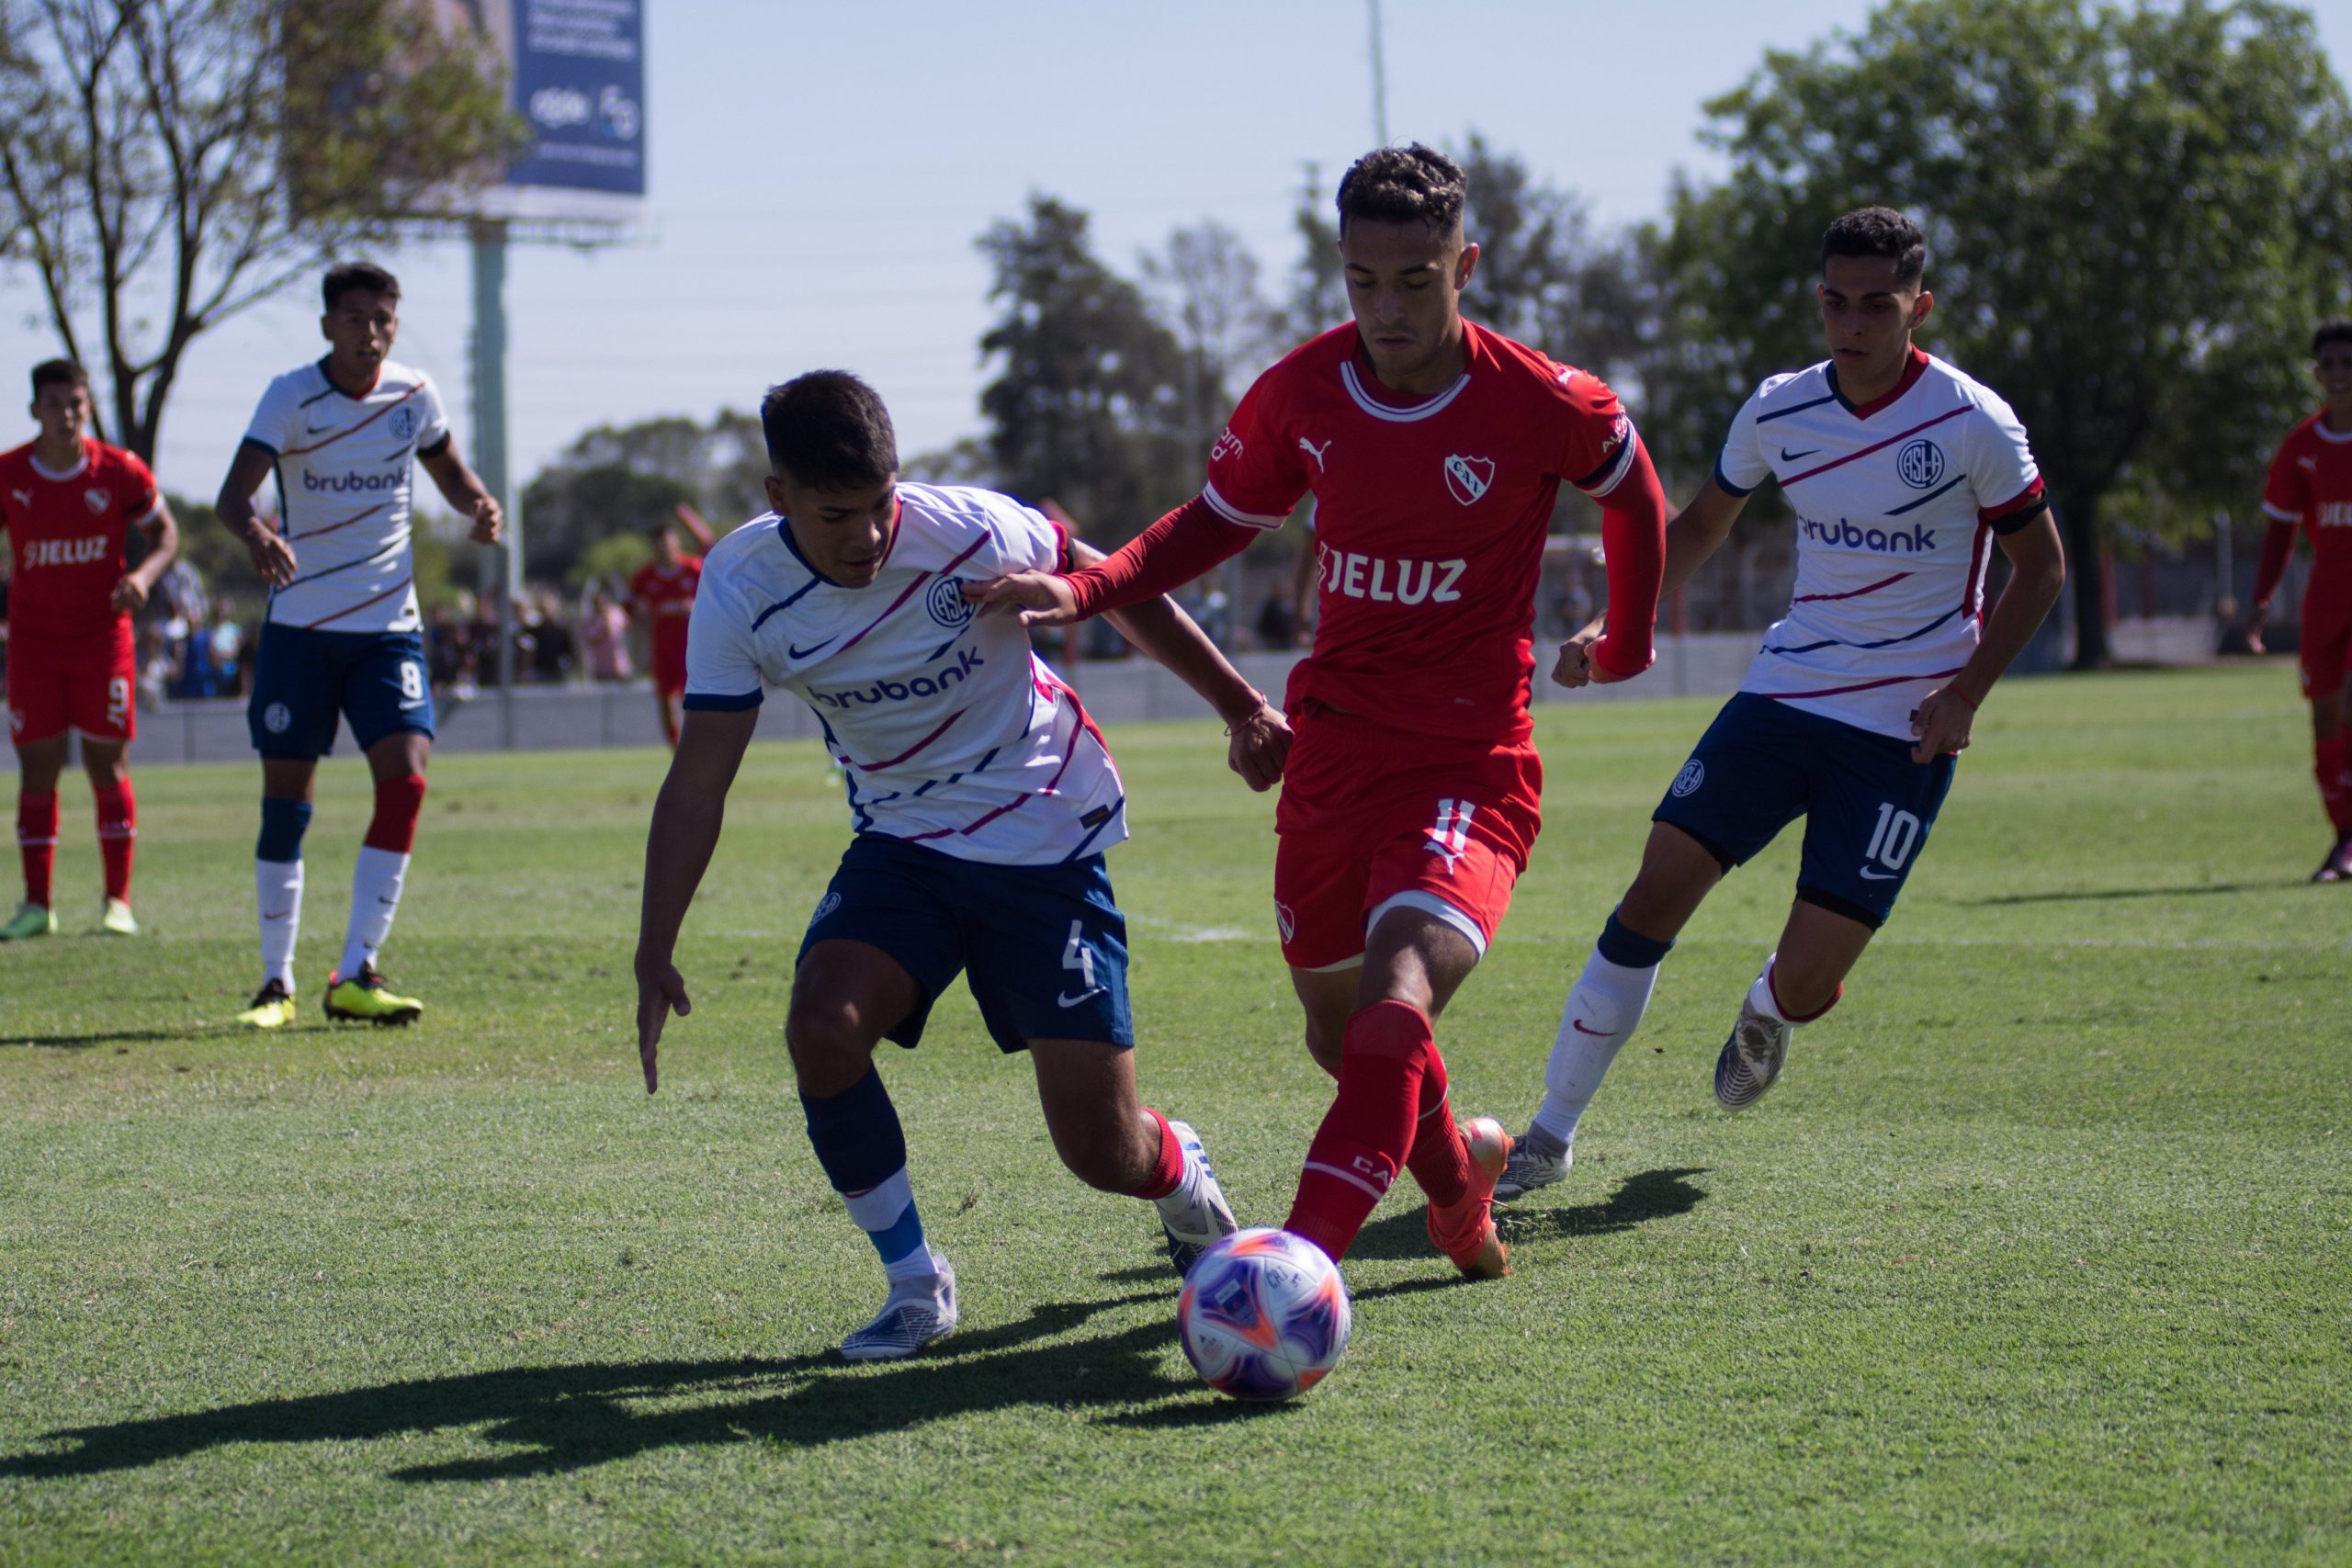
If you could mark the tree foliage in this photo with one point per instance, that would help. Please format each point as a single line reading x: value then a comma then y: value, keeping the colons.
x: 1087, y: 404
x: 161, y: 166
x: 2135, y: 216
x: 618, y: 483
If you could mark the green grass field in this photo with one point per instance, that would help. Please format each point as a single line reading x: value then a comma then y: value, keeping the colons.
x: 2040, y: 1252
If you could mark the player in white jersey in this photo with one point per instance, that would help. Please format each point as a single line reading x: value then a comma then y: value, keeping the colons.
x: 340, y: 640
x: 1904, y: 473
x: 982, y: 798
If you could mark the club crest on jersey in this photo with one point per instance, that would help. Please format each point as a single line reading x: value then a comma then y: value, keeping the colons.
x: 1284, y: 921
x: 96, y: 500
x: 1920, y: 464
x: 826, y: 905
x: 403, y: 421
x: 1687, y: 782
x: 277, y: 718
x: 944, y: 599
x: 1468, y: 478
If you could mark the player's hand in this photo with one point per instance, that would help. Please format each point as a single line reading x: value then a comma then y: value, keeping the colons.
x: 1043, y: 598
x: 1259, y: 747
x: 2255, y: 618
x: 273, y: 558
x: 488, y: 520
x: 660, y: 991
x: 130, y: 595
x: 1944, y: 722
x: 1577, y: 666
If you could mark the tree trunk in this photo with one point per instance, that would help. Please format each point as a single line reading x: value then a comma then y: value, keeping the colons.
x: 2087, y: 569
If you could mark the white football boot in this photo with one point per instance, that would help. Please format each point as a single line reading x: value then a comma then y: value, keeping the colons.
x: 1751, y: 1058
x: 917, y: 1311
x: 1537, y: 1159
x: 1195, y: 1216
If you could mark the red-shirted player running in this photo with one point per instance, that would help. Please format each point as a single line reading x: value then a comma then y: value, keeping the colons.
x: 662, y: 597
x: 2310, y: 487
x: 1434, y: 450
x: 68, y: 502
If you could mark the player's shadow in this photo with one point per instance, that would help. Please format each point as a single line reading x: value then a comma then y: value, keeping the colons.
x: 108, y: 1037
x: 556, y: 1419
x: 1651, y: 1195
x: 2108, y: 895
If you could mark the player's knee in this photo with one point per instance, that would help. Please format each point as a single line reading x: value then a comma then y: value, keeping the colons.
x: 831, y: 1045
x: 1100, y: 1156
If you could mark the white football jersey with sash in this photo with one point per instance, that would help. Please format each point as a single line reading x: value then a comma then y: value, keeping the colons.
x: 345, y: 467
x: 951, y: 733
x: 1897, y: 502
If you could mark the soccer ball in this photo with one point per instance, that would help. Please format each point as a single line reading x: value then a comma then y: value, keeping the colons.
x: 1264, y: 1315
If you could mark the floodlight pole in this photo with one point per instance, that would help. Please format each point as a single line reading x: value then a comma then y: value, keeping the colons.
x: 1379, y: 78
x: 501, y: 574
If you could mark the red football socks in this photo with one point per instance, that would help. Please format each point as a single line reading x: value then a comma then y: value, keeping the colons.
x: 399, y: 802
x: 36, y: 841
x: 1168, y: 1166
x: 118, y: 834
x: 2332, y: 766
x: 1441, y: 1160
x: 1384, y: 1056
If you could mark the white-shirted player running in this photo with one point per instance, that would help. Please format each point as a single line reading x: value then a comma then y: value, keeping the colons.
x: 982, y: 799
x: 340, y: 640
x: 1903, y: 473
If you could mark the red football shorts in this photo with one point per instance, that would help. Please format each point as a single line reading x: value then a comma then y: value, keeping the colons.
x: 669, y: 665
x: 88, y: 689
x: 2326, y: 635
x: 1373, y: 818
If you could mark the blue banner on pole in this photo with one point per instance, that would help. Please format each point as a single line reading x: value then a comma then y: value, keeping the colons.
x: 579, y: 83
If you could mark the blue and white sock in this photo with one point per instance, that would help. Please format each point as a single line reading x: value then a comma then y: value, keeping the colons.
x: 277, y: 885
x: 863, y: 1151
x: 1603, y: 1009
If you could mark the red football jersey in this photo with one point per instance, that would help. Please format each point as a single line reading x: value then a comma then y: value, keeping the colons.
x: 1429, y: 518
x: 66, y: 534
x: 2311, y: 484
x: 665, y: 596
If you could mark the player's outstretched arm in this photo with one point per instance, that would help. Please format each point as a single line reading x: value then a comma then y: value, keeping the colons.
x: 163, y: 531
x: 465, y: 493
x: 273, y: 558
x: 1650, y: 557
x: 1945, y: 721
x: 1260, y: 735
x: 1181, y: 546
x: 688, y: 816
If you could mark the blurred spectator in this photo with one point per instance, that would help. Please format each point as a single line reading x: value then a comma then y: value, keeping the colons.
x: 228, y: 648
x: 553, y: 652
x: 157, y: 665
x: 1277, y: 625
x: 605, y: 638
x: 445, y: 648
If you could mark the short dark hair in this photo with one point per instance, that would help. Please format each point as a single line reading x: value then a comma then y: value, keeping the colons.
x: 2336, y: 331
x: 1878, y: 232
x: 351, y: 276
x: 827, y: 430
x: 1404, y: 185
x: 58, y: 373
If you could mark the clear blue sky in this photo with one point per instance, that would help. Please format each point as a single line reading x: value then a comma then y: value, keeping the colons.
x: 820, y: 170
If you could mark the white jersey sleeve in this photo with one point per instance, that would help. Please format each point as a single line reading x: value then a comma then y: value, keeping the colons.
x: 276, y: 416
x: 1743, y: 464
x: 2001, y: 469
x: 723, y: 674
x: 432, y: 419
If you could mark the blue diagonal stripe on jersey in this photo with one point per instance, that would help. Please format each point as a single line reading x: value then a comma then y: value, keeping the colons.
x: 1883, y: 642
x: 378, y: 559
x: 1915, y: 506
x: 941, y: 651
x: 1109, y: 818
x: 1796, y: 408
x: 798, y: 594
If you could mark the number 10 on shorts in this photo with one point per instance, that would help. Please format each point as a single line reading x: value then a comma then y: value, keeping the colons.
x: 1897, y: 836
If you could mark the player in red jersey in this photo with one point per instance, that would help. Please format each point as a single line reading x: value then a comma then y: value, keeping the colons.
x: 1435, y: 450
x: 662, y: 597
x: 68, y: 502
x: 2310, y: 488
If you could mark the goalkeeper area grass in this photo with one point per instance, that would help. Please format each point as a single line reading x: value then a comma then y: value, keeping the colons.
x: 2041, y: 1249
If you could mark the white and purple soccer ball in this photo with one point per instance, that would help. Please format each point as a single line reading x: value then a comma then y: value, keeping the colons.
x: 1264, y: 1315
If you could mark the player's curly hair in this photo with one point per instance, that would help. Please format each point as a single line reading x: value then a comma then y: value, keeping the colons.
x: 58, y: 373
x: 827, y: 430
x: 351, y: 276
x: 1878, y: 232
x: 2336, y: 331
x: 1404, y: 185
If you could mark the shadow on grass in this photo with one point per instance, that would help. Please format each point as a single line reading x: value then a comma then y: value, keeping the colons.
x: 112, y: 1037
x: 2105, y: 894
x: 1650, y: 1195
x: 563, y: 1418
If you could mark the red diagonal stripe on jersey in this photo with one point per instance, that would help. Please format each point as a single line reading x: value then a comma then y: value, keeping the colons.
x: 1863, y: 686
x: 1855, y: 593
x: 297, y: 451
x: 911, y: 587
x: 1898, y: 435
x: 894, y: 762
x: 339, y: 614
x: 1068, y: 757
x: 355, y: 517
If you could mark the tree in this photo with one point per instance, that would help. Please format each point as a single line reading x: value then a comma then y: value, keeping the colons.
x: 2134, y: 217
x: 163, y: 168
x: 1086, y: 406
x: 1318, y: 291
x: 1205, y: 292
x: 617, y: 482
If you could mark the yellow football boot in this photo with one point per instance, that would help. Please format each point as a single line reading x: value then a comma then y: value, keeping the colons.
x: 30, y: 921
x: 363, y: 999
x: 273, y: 1008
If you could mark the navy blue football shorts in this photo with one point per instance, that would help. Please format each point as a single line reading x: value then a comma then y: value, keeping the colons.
x: 305, y: 681
x: 1867, y: 804
x: 1042, y: 947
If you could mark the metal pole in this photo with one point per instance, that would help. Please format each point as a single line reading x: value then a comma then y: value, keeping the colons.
x: 1379, y: 78
x: 504, y: 574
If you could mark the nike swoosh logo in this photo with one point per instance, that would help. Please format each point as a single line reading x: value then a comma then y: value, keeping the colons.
x: 1577, y: 1024
x: 803, y: 652
x: 381, y: 899
x: 1070, y: 1001
x: 279, y: 916
x: 317, y: 429
x: 1788, y: 456
x: 418, y: 704
x: 1869, y: 875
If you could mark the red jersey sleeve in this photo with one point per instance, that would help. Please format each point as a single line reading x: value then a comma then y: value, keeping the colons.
x: 2286, y: 497
x: 135, y: 489
x: 1256, y: 471
x: 1597, y: 433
